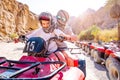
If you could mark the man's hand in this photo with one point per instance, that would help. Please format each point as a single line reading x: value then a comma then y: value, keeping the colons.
x: 22, y: 38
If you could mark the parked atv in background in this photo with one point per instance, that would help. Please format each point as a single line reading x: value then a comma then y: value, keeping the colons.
x: 107, y: 54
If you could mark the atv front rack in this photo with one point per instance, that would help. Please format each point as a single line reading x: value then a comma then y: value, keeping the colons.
x: 12, y: 73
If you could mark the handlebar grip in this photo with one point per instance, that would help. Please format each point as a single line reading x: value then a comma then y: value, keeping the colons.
x: 22, y: 38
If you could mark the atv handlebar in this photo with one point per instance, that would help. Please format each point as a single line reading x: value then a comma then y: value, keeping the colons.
x: 22, y: 38
x: 59, y: 38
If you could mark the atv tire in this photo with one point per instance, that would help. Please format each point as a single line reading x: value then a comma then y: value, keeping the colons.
x: 97, y: 58
x: 88, y: 51
x: 86, y: 48
x: 92, y: 53
x: 114, y: 70
x: 108, y: 61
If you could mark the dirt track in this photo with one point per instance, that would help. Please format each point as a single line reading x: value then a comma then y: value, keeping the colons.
x: 14, y: 51
x: 11, y: 50
x: 95, y: 71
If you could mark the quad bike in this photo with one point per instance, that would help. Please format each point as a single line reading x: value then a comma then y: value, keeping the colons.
x: 38, y: 65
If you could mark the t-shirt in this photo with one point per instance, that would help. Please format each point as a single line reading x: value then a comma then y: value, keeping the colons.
x: 46, y: 36
x: 66, y: 29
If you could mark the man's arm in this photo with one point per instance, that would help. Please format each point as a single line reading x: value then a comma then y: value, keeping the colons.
x: 71, y: 38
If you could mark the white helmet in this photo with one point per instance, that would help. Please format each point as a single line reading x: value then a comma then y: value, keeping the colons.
x: 62, y: 17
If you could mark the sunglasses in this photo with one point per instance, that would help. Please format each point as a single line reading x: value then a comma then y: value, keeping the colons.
x: 61, y: 18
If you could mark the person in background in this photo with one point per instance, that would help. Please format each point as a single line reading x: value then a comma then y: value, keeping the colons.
x: 62, y: 18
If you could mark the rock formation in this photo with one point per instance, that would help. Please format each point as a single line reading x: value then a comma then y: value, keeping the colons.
x: 15, y: 18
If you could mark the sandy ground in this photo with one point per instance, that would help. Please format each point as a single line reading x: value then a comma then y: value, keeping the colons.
x: 11, y: 50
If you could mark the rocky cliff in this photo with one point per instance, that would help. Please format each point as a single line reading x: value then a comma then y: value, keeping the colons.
x: 15, y: 18
x: 101, y: 18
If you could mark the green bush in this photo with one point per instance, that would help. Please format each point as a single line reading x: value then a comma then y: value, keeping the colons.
x: 13, y: 35
x: 95, y: 33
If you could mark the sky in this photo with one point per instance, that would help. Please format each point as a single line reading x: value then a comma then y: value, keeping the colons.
x: 73, y: 7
